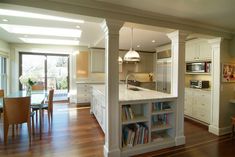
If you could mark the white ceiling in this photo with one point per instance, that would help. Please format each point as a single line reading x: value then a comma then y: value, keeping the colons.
x: 92, y: 34
x: 219, y: 13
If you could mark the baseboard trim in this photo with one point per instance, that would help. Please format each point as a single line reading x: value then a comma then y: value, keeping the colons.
x: 220, y: 131
x: 179, y: 140
x: 112, y: 153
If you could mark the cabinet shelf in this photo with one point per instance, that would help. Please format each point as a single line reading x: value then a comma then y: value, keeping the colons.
x: 161, y: 138
x: 160, y: 127
x: 136, y: 119
x: 187, y: 73
x: 162, y: 112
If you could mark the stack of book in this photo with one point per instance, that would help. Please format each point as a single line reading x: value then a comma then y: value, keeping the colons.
x: 127, y: 113
x: 159, y: 106
x: 134, y: 134
x: 160, y: 120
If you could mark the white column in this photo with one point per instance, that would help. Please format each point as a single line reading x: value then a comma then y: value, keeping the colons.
x: 112, y: 138
x: 178, y: 80
x: 214, y: 119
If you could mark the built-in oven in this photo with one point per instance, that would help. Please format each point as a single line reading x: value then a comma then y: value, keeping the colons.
x: 198, y: 67
x: 199, y: 84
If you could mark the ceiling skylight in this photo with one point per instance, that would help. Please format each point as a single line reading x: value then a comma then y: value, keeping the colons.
x: 49, y: 41
x: 47, y: 31
x: 37, y: 16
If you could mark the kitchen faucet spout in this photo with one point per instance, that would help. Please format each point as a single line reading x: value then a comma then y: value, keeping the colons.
x: 127, y: 77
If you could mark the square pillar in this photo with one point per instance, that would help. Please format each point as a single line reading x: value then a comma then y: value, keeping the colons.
x: 215, y: 107
x: 112, y: 137
x: 178, y: 80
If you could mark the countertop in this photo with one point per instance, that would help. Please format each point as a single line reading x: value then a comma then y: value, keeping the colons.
x: 89, y: 82
x: 203, y: 89
x: 126, y: 95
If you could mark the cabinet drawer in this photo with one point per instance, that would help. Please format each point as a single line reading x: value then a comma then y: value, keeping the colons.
x: 202, y: 115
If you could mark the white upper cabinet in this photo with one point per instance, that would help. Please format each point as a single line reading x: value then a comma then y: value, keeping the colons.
x: 198, y: 50
x: 97, y: 60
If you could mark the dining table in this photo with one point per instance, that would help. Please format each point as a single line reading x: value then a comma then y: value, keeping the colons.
x: 37, y: 99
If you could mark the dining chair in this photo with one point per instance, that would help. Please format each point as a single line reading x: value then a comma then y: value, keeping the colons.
x: 1, y: 96
x: 38, y: 87
x: 47, y: 106
x: 17, y: 111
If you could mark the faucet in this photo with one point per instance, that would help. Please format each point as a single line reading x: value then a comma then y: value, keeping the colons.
x: 127, y: 76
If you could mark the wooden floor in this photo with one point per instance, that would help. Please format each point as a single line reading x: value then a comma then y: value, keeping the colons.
x: 75, y: 133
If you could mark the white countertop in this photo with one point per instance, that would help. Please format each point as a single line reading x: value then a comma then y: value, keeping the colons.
x: 89, y: 82
x: 130, y: 95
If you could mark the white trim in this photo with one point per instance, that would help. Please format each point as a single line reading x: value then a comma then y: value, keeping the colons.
x: 113, y: 153
x: 219, y: 131
x: 179, y: 140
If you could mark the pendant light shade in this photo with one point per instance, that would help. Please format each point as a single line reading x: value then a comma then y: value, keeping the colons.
x: 132, y: 55
x: 120, y: 60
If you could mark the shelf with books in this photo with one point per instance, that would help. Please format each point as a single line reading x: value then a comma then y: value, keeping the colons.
x: 158, y: 107
x: 160, y: 137
x: 137, y: 118
x: 134, y: 135
x: 160, y: 127
x: 132, y: 113
x: 162, y: 112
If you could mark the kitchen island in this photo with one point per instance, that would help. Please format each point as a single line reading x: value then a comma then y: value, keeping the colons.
x: 147, y: 118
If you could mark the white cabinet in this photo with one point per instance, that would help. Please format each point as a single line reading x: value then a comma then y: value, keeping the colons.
x: 188, y: 103
x: 198, y: 50
x: 97, y: 60
x: 83, y: 93
x: 98, y: 108
x: 197, y: 104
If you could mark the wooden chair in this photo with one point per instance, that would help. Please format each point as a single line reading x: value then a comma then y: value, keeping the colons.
x: 48, y: 106
x: 17, y: 111
x: 38, y: 87
x: 1, y: 96
x: 233, y: 125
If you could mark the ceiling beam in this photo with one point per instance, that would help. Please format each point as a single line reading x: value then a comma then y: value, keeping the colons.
x: 127, y: 14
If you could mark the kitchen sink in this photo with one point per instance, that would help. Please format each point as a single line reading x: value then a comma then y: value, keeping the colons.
x: 134, y: 89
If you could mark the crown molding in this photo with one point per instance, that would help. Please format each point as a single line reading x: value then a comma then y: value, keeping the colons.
x: 122, y: 13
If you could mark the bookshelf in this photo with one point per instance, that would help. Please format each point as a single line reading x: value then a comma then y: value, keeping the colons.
x: 149, y: 125
x: 162, y: 121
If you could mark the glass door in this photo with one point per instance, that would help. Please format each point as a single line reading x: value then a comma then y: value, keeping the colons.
x: 34, y: 66
x: 57, y: 76
x: 50, y: 70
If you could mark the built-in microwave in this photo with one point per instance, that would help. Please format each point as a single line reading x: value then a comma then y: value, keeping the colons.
x: 199, y: 84
x: 198, y: 67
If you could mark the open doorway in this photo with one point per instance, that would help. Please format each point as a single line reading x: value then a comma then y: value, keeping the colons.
x: 49, y: 70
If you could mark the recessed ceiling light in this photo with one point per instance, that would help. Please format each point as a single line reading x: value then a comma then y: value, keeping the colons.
x: 153, y: 41
x: 49, y: 41
x: 48, y: 31
x: 138, y: 45
x: 37, y: 16
x: 4, y: 20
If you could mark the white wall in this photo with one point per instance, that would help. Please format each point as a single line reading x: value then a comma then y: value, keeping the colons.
x: 5, y: 52
x: 227, y: 89
x: 4, y: 48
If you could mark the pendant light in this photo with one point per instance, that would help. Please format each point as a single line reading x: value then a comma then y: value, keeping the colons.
x: 120, y: 60
x: 132, y: 55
